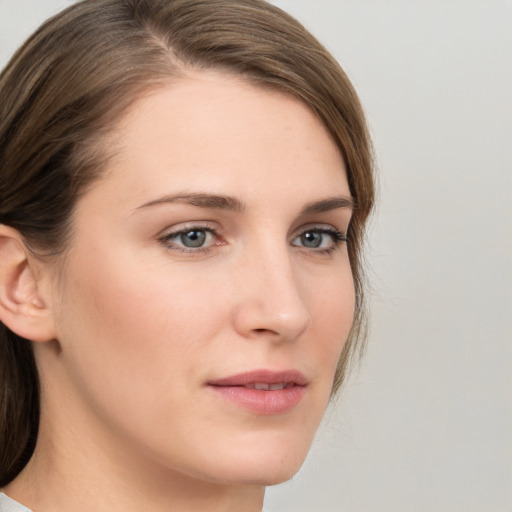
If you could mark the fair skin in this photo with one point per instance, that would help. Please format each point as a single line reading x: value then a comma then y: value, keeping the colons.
x: 168, y: 289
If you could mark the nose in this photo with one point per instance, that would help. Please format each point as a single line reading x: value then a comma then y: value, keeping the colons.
x: 269, y: 302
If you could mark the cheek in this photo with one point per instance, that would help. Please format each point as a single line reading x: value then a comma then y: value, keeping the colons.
x: 131, y: 311
x: 332, y: 310
x: 135, y: 344
x: 141, y: 322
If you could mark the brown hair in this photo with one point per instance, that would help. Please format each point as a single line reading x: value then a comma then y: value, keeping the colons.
x: 65, y: 87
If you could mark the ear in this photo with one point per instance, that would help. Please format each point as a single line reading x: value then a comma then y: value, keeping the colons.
x: 23, y: 306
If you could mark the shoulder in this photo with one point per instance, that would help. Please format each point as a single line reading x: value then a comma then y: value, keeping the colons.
x: 9, y: 505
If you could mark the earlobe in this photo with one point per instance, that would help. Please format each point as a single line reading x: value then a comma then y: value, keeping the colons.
x: 23, y: 309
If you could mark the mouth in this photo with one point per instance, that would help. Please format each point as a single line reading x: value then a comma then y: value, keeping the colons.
x: 262, y: 392
x: 264, y: 386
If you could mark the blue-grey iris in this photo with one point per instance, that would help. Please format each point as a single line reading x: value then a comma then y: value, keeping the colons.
x: 193, y: 238
x: 311, y: 239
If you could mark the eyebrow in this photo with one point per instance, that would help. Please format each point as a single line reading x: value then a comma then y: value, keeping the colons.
x: 325, y: 205
x: 230, y: 203
x: 202, y: 200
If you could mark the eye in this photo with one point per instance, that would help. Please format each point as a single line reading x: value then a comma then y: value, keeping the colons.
x: 193, y: 238
x: 321, y: 239
x: 190, y: 239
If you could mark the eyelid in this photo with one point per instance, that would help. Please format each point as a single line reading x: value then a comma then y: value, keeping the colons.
x: 338, y: 237
x: 319, y: 226
x: 187, y: 226
x: 165, y: 237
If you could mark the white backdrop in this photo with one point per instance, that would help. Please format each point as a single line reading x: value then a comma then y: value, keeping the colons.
x: 426, y: 424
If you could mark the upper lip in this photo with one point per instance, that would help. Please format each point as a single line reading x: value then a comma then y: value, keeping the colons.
x: 262, y: 376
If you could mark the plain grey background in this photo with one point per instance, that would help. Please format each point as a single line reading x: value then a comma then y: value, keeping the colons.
x: 426, y: 423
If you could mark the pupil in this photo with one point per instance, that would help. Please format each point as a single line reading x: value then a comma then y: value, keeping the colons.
x: 193, y: 238
x: 311, y: 239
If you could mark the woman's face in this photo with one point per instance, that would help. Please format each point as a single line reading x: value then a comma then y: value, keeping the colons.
x: 203, y: 305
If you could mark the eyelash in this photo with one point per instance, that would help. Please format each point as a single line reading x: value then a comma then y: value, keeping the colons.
x: 167, y: 238
x: 337, y: 237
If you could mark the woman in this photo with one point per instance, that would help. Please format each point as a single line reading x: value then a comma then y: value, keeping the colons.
x: 184, y: 190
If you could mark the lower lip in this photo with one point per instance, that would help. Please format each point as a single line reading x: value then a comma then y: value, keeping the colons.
x: 264, y: 402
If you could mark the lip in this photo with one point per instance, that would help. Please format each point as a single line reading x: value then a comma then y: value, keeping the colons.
x: 265, y: 402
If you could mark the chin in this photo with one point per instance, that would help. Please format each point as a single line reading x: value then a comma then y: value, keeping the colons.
x: 261, y: 463
x: 275, y: 476
x: 271, y: 474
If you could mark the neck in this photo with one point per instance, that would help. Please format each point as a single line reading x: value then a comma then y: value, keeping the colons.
x: 70, y: 471
x: 55, y: 483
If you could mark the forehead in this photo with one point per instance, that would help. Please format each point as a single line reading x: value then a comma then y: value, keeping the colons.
x: 222, y: 132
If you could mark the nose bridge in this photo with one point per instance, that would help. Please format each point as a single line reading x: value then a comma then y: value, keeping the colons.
x: 271, y: 301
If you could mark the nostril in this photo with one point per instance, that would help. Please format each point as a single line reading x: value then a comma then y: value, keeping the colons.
x: 263, y: 331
